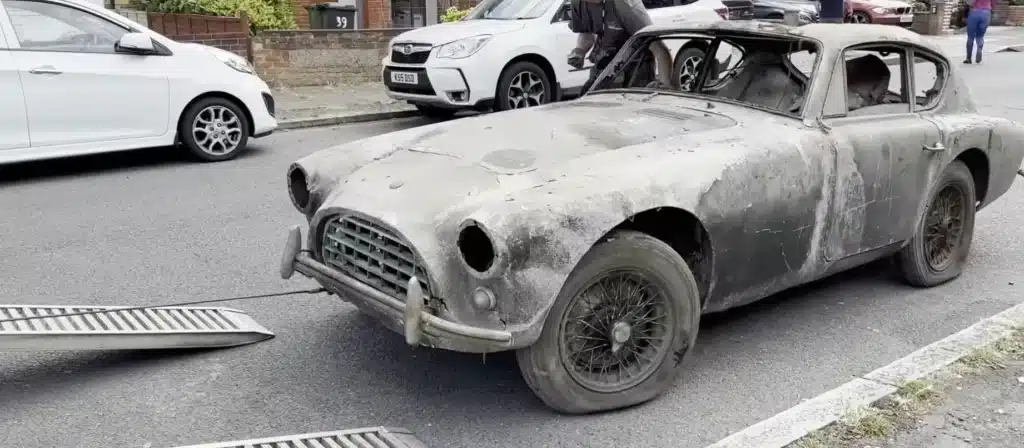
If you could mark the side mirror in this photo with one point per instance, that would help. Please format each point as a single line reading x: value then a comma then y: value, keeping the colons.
x: 138, y: 43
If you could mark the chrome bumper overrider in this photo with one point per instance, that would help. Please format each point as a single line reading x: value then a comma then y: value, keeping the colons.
x: 418, y: 321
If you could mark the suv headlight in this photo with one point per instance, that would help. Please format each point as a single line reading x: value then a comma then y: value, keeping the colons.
x: 463, y: 48
x: 231, y: 60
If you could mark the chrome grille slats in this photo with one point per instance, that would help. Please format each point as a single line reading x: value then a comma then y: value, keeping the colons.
x: 378, y: 437
x: 371, y: 253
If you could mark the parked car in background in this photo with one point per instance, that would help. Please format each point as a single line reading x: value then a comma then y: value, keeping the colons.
x: 881, y: 12
x: 76, y: 78
x: 510, y: 54
x: 808, y: 11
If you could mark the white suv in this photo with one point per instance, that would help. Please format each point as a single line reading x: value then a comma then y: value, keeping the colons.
x: 508, y: 54
x: 79, y: 79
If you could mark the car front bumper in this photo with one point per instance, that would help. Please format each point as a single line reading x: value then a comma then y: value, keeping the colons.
x: 408, y: 317
x: 905, y: 20
x: 467, y: 83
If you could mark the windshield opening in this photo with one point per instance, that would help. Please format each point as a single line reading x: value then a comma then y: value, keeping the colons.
x: 509, y: 9
x: 768, y: 72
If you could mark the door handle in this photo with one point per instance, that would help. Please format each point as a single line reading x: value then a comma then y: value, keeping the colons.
x: 938, y: 147
x: 44, y: 70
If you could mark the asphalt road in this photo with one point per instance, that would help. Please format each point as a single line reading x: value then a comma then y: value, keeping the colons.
x: 148, y: 228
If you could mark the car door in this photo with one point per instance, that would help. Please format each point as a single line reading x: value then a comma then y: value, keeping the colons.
x: 880, y: 150
x: 77, y: 88
x: 13, y: 122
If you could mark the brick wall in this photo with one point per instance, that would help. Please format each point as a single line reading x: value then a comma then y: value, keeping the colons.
x: 999, y: 10
x: 320, y: 57
x: 1015, y: 16
x: 227, y: 33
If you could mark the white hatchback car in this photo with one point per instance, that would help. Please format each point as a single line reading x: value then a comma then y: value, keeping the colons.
x: 79, y: 79
x: 508, y: 54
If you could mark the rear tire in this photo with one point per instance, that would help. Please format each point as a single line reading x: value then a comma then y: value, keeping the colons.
x: 938, y: 251
x: 214, y: 129
x: 688, y: 63
x: 621, y: 266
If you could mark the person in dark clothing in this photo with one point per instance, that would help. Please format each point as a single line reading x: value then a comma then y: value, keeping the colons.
x: 978, y: 17
x: 605, y: 26
x: 832, y: 11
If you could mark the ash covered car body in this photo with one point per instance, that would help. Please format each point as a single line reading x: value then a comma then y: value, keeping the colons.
x: 591, y: 235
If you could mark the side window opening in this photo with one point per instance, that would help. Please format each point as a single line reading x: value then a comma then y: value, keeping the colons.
x: 875, y: 82
x: 51, y: 27
x: 929, y: 79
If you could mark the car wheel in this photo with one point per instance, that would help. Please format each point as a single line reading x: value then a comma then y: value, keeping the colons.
x: 521, y: 85
x: 939, y: 249
x: 860, y: 17
x: 438, y: 113
x: 214, y: 129
x: 687, y: 66
x: 615, y: 335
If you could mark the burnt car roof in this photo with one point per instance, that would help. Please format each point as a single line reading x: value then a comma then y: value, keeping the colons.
x: 835, y: 35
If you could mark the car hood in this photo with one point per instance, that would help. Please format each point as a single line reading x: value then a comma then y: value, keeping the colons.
x: 797, y: 5
x: 424, y: 173
x: 443, y: 33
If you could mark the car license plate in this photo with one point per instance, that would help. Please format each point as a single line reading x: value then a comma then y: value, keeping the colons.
x: 404, y: 78
x: 906, y: 18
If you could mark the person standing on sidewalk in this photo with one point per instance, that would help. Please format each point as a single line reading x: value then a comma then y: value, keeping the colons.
x: 978, y: 18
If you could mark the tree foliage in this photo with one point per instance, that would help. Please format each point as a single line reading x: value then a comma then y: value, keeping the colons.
x: 454, y: 14
x: 263, y: 14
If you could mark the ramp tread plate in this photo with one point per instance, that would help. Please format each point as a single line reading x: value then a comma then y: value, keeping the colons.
x: 28, y: 327
x: 375, y: 437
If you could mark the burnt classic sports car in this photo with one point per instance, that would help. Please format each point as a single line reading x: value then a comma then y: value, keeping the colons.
x: 590, y: 236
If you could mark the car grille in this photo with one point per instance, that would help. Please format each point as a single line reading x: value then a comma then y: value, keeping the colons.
x: 419, y: 54
x: 372, y: 254
x: 902, y: 10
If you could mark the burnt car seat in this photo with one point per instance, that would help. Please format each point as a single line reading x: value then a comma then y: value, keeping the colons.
x: 867, y: 83
x: 764, y: 80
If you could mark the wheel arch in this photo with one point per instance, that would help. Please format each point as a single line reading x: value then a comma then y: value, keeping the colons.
x: 978, y: 163
x: 535, y: 58
x: 215, y: 94
x: 685, y: 233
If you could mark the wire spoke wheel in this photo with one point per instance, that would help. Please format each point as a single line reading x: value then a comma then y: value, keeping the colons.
x: 944, y: 227
x: 616, y: 332
x: 217, y: 130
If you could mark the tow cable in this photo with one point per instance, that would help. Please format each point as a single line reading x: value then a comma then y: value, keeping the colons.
x: 197, y: 302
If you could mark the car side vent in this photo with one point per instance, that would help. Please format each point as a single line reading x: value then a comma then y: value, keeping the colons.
x: 670, y: 114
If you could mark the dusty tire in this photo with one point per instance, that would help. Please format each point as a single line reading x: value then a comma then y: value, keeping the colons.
x: 437, y: 113
x: 860, y: 17
x: 684, y: 68
x: 943, y: 222
x: 214, y: 110
x: 523, y: 84
x: 544, y: 364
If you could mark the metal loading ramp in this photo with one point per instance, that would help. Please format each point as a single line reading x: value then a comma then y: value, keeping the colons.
x: 377, y: 437
x: 35, y: 327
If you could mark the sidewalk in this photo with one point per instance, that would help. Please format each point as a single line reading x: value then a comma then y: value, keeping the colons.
x: 975, y: 402
x: 300, y: 107
x: 307, y: 106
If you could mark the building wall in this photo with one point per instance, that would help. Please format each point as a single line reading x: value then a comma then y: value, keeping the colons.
x: 321, y: 57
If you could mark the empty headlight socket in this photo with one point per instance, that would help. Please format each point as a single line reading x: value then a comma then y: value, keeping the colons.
x: 479, y: 252
x: 298, y: 188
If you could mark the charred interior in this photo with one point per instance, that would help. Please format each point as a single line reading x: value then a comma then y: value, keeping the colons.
x: 476, y: 248
x: 684, y: 232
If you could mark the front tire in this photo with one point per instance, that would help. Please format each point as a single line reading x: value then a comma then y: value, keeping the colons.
x: 214, y: 129
x: 860, y: 17
x: 630, y: 309
x: 937, y: 252
x: 521, y: 85
x: 688, y: 63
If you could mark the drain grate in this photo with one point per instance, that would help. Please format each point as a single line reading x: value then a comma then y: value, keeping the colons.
x: 378, y: 437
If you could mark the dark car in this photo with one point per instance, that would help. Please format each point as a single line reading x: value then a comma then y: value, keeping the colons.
x: 807, y: 11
